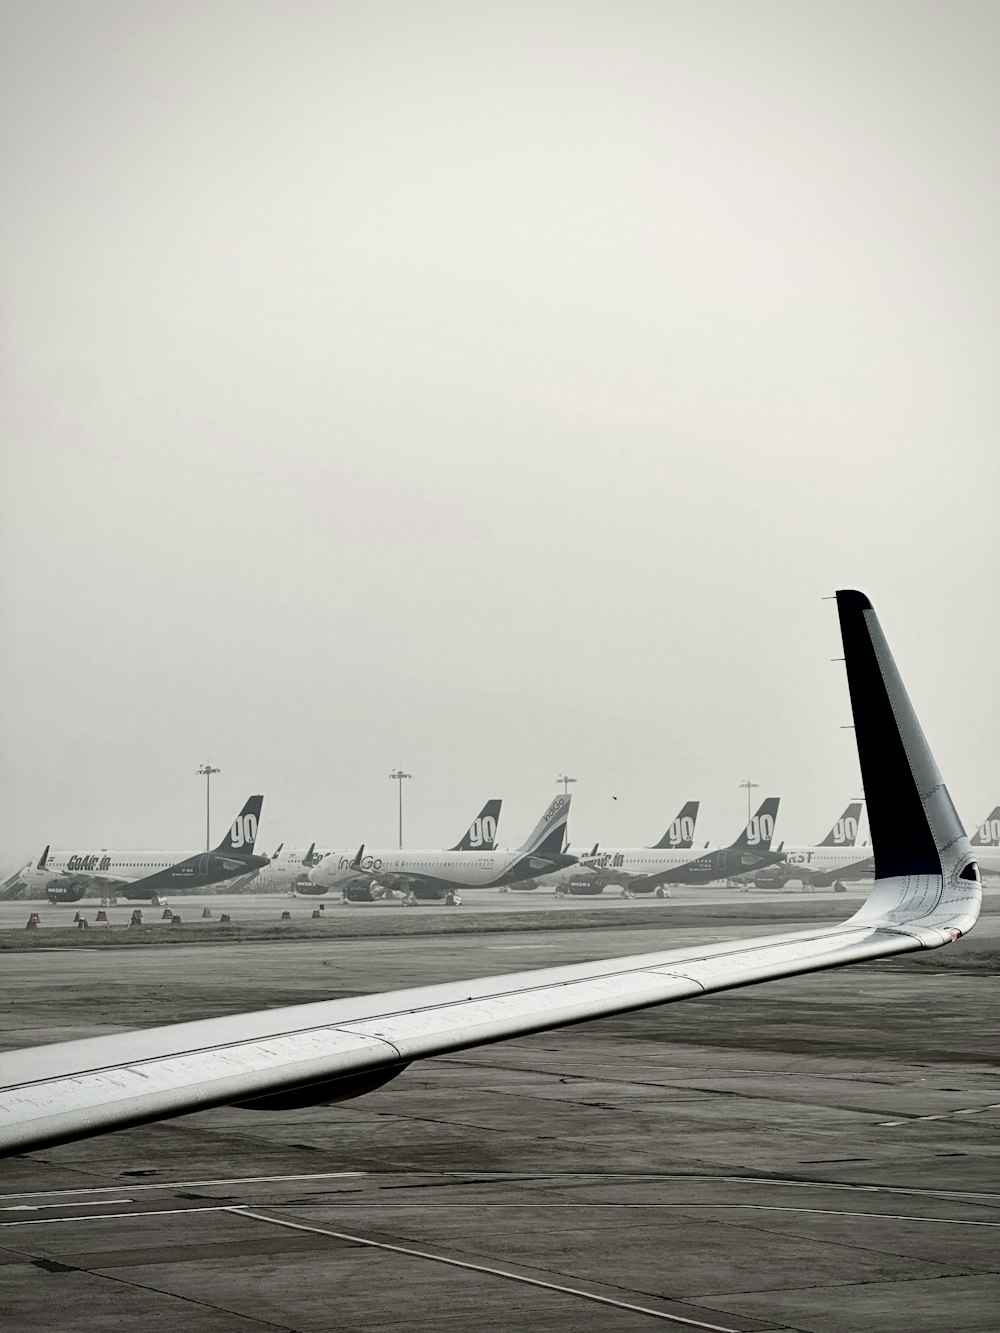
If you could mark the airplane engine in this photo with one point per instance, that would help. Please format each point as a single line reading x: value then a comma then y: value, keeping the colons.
x: 771, y: 877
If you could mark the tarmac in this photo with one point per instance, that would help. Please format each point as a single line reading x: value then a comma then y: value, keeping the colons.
x: 813, y: 1154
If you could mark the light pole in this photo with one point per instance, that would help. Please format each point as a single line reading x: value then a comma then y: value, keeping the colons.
x: 751, y: 787
x: 399, y: 776
x: 565, y: 782
x: 206, y: 772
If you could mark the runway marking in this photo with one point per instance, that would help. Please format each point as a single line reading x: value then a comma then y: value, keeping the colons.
x: 602, y: 1177
x: 491, y: 1272
x: 183, y: 1184
x: 834, y: 1212
x: 102, y: 1217
x: 40, y: 1207
x: 420, y: 1254
x: 944, y: 1115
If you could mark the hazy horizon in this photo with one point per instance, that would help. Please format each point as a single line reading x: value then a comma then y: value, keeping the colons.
x: 495, y: 391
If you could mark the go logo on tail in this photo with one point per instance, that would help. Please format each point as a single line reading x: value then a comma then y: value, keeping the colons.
x: 681, y: 830
x: 483, y: 829
x: 760, y: 829
x: 845, y: 830
x: 244, y: 831
x: 989, y: 831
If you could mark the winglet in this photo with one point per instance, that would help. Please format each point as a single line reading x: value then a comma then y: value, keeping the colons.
x: 906, y: 797
x: 917, y: 837
x: 43, y: 859
x: 356, y: 862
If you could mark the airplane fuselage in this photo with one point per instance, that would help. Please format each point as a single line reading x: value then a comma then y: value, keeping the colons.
x: 140, y: 876
x: 822, y: 865
x: 440, y: 871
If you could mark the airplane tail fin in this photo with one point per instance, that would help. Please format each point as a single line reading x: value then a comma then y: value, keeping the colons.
x: 760, y: 829
x: 242, y: 833
x: 988, y: 832
x: 481, y: 835
x: 548, y: 836
x: 917, y: 837
x: 845, y: 832
x: 681, y: 832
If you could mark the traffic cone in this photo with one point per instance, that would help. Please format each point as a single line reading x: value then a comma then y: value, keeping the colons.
x: 33, y: 921
x: 82, y: 923
x: 317, y: 914
x: 167, y: 914
x: 102, y: 917
x: 175, y: 920
x: 286, y: 916
x: 136, y: 917
x: 206, y: 912
x: 76, y: 919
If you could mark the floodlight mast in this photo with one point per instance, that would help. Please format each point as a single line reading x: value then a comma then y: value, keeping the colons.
x: 399, y: 777
x: 206, y: 772
x: 750, y: 788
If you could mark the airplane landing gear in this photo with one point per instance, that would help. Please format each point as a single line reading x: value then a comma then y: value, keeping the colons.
x: 662, y: 892
x: 453, y: 899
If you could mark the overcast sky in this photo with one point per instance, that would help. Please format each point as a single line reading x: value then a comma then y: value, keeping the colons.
x: 494, y: 389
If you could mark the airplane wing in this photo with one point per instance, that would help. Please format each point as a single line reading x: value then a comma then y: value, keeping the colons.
x: 927, y: 893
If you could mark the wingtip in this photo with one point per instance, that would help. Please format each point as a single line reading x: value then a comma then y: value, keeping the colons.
x: 851, y: 599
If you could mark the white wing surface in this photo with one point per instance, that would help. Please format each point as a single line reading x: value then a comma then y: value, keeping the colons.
x: 927, y: 893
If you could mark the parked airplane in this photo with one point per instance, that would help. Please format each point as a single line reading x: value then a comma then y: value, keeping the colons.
x: 438, y: 876
x: 833, y: 861
x: 480, y: 836
x: 144, y: 876
x: 927, y: 893
x: 986, y: 841
x: 645, y: 870
x: 290, y: 873
x: 594, y: 872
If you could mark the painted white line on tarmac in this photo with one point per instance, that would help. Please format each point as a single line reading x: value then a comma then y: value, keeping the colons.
x: 182, y: 1184
x: 41, y: 1207
x: 846, y: 1185
x: 945, y: 1115
x: 834, y: 1212
x: 103, y: 1217
x: 483, y: 1268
